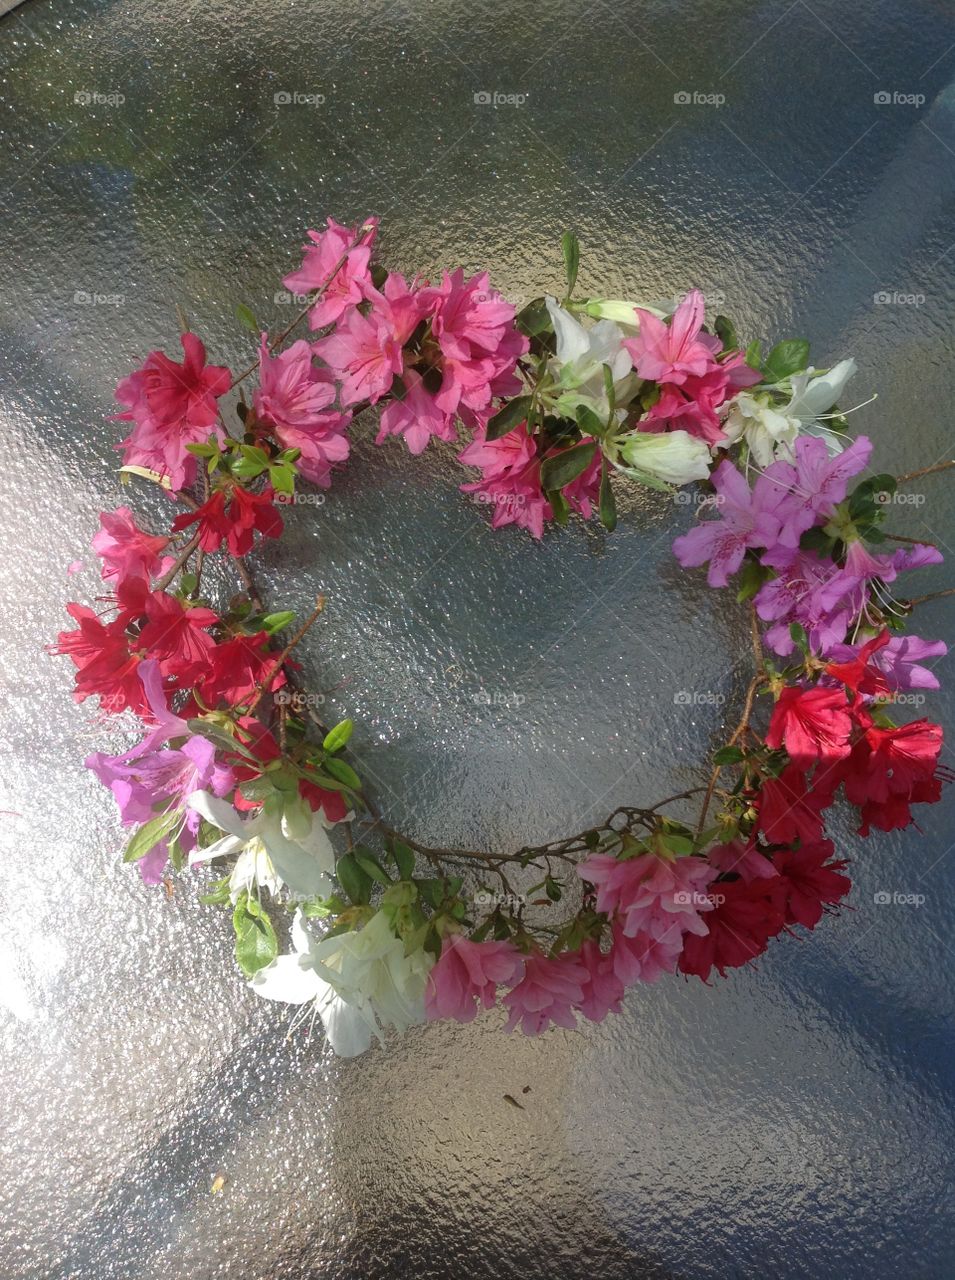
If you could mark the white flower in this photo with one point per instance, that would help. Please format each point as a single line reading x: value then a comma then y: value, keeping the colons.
x: 767, y: 431
x: 770, y: 430
x: 275, y: 847
x: 673, y: 457
x: 361, y: 981
x: 581, y: 354
x: 294, y: 979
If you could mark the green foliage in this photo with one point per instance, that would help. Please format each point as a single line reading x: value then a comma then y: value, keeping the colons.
x: 566, y: 466
x: 338, y: 737
x: 506, y: 419
x: 255, y: 942
x: 150, y: 834
x: 571, y: 249
x: 785, y: 359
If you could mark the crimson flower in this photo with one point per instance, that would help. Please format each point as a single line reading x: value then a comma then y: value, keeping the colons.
x: 175, y: 635
x: 812, y: 724
x: 857, y: 674
x: 788, y: 809
x: 105, y: 666
x: 890, y: 769
x: 231, y: 516
x: 810, y: 881
x: 745, y: 917
x: 236, y: 668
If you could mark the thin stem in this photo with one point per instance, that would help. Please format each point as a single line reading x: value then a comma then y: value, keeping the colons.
x: 280, y: 660
x: 924, y: 471
x: 319, y: 292
x: 163, y: 582
x: 932, y: 595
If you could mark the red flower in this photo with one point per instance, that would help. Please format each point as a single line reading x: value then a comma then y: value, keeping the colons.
x: 788, y: 809
x: 174, y: 635
x: 891, y: 769
x: 812, y: 724
x: 739, y: 927
x: 810, y: 881
x: 236, y: 668
x: 857, y: 674
x: 105, y: 666
x: 231, y: 516
x: 176, y: 395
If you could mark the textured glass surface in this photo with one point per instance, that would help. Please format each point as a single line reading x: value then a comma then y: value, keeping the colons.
x: 795, y: 1120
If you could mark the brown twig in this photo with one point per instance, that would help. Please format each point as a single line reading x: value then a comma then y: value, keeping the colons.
x: 924, y: 471
x: 163, y: 582
x: 263, y: 684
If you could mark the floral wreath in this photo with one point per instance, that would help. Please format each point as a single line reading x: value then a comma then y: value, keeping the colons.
x: 563, y: 401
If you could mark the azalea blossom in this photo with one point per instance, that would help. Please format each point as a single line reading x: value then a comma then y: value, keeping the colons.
x: 466, y: 976
x: 548, y: 993
x: 748, y: 518
x: 344, y: 289
x: 675, y: 457
x: 277, y: 848
x: 650, y: 893
x: 126, y: 550
x: 172, y: 405
x: 295, y: 399
x: 675, y: 351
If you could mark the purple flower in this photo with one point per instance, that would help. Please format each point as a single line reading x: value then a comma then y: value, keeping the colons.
x: 899, y: 661
x: 152, y: 778
x: 812, y: 591
x: 748, y: 518
x: 810, y: 488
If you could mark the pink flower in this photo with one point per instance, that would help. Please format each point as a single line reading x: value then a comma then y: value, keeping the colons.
x: 675, y: 351
x: 467, y: 974
x: 364, y: 354
x: 172, y: 405
x: 814, y: 484
x: 415, y: 415
x: 293, y: 398
x: 548, y: 992
x: 642, y: 958
x: 319, y: 261
x: 511, y: 480
x: 125, y: 549
x: 603, y: 990
x: 472, y: 320
x: 649, y: 893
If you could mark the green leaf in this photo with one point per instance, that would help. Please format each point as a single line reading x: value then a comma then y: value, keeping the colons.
x: 336, y: 738
x: 218, y: 894
x: 246, y: 318
x: 149, y: 835
x: 785, y: 359
x: 726, y: 332
x: 273, y: 622
x: 728, y: 755
x: 559, y: 506
x: 610, y: 389
x: 752, y: 577
x: 353, y: 878
x: 800, y: 639
x: 370, y: 864
x: 571, y: 248
x: 506, y: 419
x: 754, y: 354
x: 589, y: 422
x: 566, y: 466
x: 608, y: 503
x: 282, y: 477
x: 343, y: 772
x: 255, y: 942
x: 432, y: 890
x: 680, y: 845
x: 553, y: 889
x: 404, y: 859
x: 534, y: 319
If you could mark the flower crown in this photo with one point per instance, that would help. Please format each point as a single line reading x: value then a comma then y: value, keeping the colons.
x: 565, y: 401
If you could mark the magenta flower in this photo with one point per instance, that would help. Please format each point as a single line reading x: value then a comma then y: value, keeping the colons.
x: 810, y: 590
x: 294, y: 398
x: 675, y: 351
x: 467, y: 975
x: 603, y: 990
x: 511, y: 480
x: 172, y: 405
x: 650, y: 894
x: 125, y: 549
x: 552, y: 986
x: 746, y: 519
x: 318, y: 263
x: 364, y: 353
x: 416, y: 416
